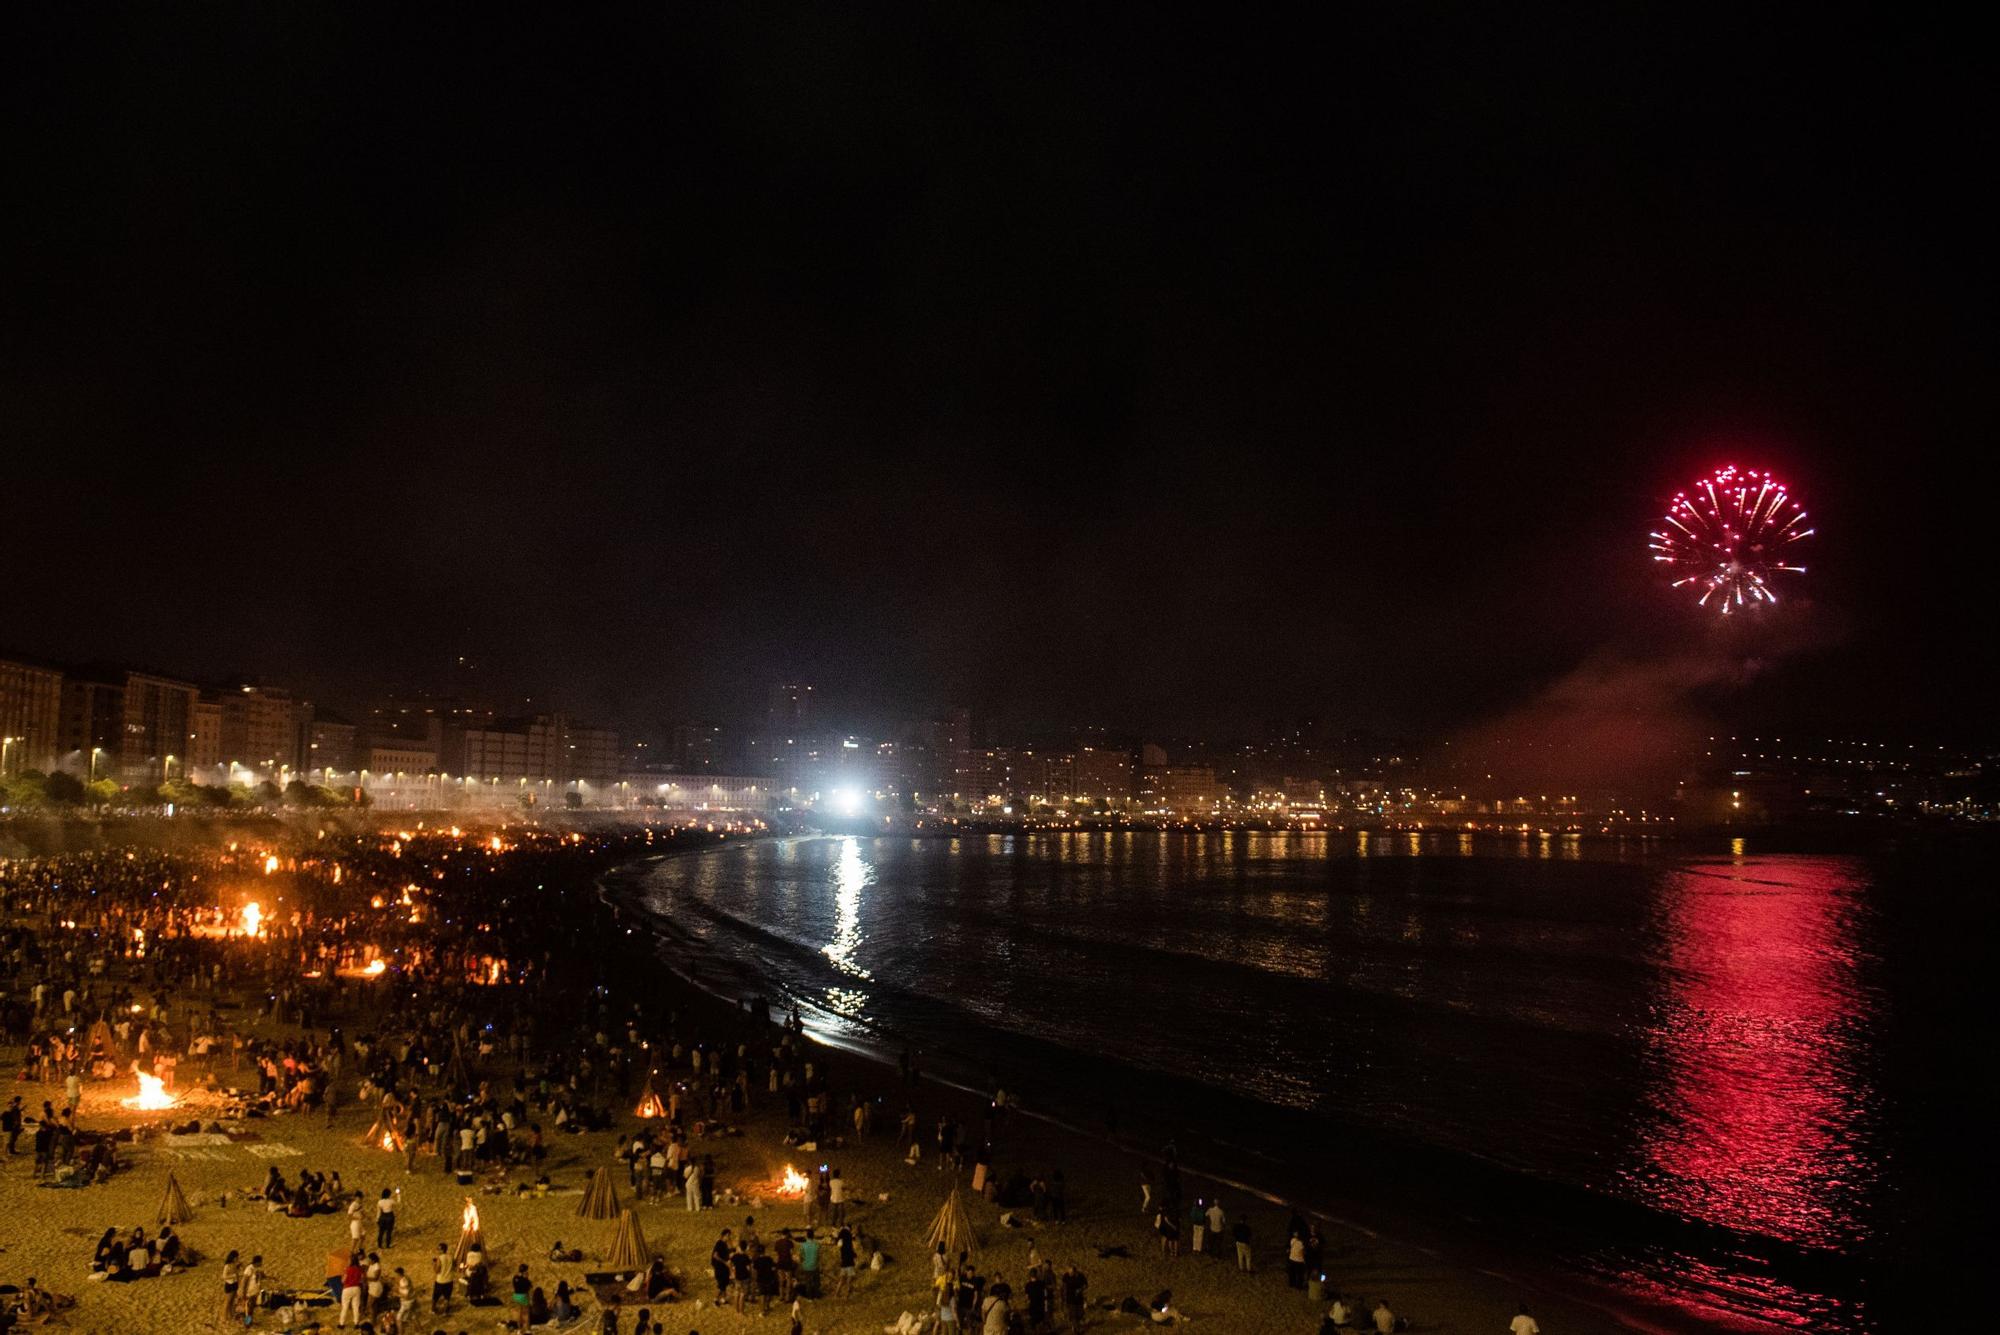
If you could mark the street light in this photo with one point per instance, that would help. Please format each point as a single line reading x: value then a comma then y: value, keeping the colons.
x: 95, y: 752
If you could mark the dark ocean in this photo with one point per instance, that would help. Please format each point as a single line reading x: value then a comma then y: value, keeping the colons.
x: 1734, y: 1086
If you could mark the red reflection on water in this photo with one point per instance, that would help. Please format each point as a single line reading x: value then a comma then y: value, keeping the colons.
x: 1758, y: 1094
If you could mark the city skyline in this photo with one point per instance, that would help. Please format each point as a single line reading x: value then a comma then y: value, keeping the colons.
x: 137, y: 740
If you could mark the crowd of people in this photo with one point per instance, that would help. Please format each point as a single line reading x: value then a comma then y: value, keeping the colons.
x: 476, y: 1022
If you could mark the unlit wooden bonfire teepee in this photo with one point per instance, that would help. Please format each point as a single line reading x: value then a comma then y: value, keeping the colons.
x: 174, y: 1207
x: 457, y: 1077
x: 600, y: 1199
x: 952, y: 1227
x: 629, y: 1251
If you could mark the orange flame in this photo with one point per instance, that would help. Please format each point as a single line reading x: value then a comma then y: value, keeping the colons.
x: 795, y: 1183
x: 253, y: 919
x: 152, y: 1094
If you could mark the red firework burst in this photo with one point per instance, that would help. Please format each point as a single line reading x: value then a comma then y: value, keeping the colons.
x: 1730, y: 535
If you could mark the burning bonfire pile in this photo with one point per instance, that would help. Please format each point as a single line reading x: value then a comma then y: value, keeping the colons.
x: 152, y: 1095
x: 468, y: 1233
x: 650, y: 1102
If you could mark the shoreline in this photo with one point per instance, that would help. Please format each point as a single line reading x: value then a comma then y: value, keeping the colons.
x: 622, y: 887
x: 597, y: 955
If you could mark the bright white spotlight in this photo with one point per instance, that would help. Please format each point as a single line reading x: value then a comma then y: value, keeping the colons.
x: 846, y: 801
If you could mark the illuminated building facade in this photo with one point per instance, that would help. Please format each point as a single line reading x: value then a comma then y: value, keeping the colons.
x: 264, y: 728
x: 1103, y: 775
x: 331, y: 743
x: 30, y: 716
x: 204, y: 736
x: 129, y: 726
x: 1180, y: 790
x: 545, y: 748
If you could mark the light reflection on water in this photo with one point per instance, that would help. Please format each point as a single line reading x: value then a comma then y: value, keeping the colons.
x: 1761, y: 1107
x: 851, y: 875
x: 1689, y: 1034
x: 1760, y: 1098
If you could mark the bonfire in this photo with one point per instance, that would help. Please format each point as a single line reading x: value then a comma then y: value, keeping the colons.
x: 468, y: 1233
x: 152, y: 1095
x: 650, y: 1102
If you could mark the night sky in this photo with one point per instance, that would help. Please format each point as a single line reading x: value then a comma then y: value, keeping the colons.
x: 1081, y: 367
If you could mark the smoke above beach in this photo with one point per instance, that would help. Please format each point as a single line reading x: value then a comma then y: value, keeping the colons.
x: 1612, y: 724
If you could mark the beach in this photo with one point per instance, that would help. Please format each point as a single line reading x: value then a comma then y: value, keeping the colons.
x: 48, y: 1233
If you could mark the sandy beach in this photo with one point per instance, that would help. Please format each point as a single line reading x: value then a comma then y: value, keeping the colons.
x: 48, y: 1233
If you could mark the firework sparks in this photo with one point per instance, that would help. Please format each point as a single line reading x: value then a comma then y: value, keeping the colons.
x: 1729, y: 536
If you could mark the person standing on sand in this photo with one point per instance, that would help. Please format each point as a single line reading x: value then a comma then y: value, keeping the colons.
x: 844, y: 1244
x: 718, y: 1265
x: 1385, y: 1320
x: 994, y: 1310
x: 351, y: 1290
x: 1169, y: 1230
x: 441, y: 1280
x: 1074, y: 1287
x: 385, y: 1220
x: 232, y: 1276
x: 1523, y: 1324
x: 1242, y: 1236
x: 248, y: 1287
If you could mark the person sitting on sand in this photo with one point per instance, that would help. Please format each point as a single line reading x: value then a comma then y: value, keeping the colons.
x: 168, y: 1246
x: 477, y: 1279
x: 139, y: 1256
x: 661, y: 1283
x: 563, y: 1309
